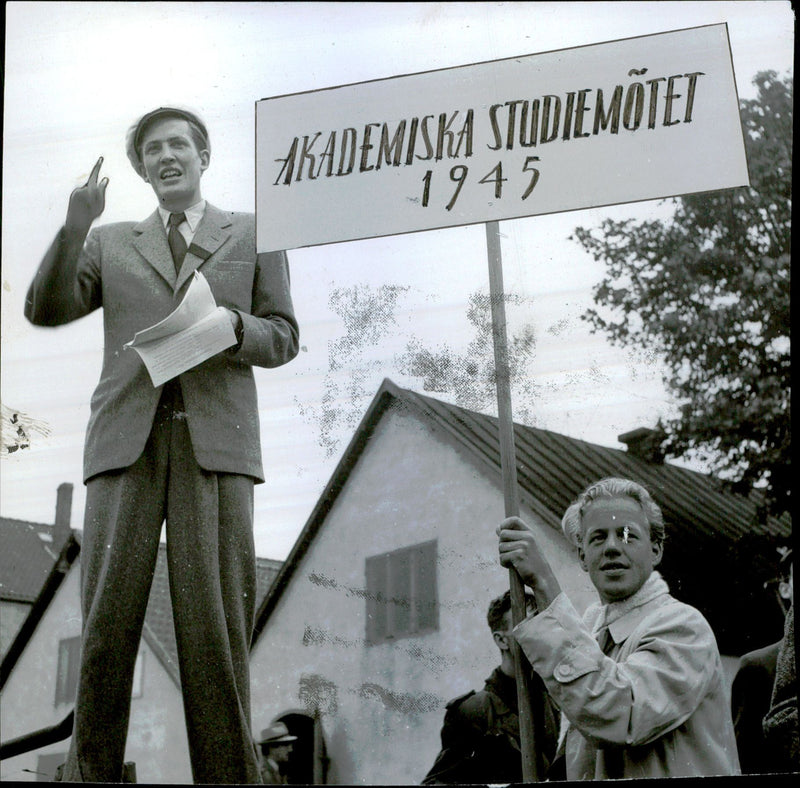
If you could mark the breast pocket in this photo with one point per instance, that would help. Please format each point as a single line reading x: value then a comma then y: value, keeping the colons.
x: 231, y: 282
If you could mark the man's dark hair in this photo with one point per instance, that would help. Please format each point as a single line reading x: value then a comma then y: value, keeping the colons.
x: 198, y: 134
x: 133, y: 140
x: 499, y: 607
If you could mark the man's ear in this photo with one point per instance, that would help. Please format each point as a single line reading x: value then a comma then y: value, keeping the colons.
x: 658, y: 552
x: 501, y: 640
x: 205, y: 160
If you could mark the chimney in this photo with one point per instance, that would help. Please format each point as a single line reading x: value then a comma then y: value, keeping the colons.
x: 644, y: 443
x: 62, y: 529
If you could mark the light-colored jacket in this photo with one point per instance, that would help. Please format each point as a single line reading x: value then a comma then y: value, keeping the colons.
x: 653, y: 706
x: 126, y: 268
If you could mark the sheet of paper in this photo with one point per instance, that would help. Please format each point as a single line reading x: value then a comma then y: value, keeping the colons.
x: 197, y: 303
x: 196, y: 330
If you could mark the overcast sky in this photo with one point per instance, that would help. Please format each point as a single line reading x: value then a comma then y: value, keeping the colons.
x: 78, y: 74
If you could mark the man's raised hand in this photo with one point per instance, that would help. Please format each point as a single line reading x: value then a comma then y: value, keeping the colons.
x: 519, y: 550
x: 87, y: 202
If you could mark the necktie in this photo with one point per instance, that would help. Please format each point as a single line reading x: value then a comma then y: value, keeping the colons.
x: 605, y: 640
x: 177, y: 243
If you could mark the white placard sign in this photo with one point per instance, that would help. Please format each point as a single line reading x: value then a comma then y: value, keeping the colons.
x: 634, y: 119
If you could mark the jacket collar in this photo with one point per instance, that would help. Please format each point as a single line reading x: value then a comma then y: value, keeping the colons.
x: 504, y: 688
x: 150, y: 240
x: 623, y: 617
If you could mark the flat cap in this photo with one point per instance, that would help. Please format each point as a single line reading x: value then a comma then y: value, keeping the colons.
x: 136, y: 131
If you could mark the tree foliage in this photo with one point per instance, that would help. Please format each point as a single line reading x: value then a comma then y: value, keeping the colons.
x: 709, y: 290
x: 467, y: 378
x: 470, y: 377
x: 368, y: 315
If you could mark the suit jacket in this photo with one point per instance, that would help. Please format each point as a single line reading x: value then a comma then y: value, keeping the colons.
x: 127, y: 269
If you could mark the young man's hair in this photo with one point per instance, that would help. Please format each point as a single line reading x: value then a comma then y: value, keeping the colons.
x: 613, y: 487
x: 499, y: 607
x: 133, y: 141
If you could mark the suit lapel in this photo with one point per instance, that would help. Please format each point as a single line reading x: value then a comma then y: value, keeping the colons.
x: 151, y: 242
x: 212, y: 232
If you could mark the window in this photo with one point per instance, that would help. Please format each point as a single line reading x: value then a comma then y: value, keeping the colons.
x: 138, y: 676
x: 69, y: 654
x: 401, y: 593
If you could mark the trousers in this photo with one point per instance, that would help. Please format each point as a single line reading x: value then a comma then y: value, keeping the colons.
x: 211, y: 566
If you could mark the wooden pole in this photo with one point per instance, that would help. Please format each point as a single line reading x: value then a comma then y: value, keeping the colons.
x: 530, y: 707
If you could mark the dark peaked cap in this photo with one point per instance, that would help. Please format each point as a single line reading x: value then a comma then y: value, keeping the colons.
x: 135, y: 132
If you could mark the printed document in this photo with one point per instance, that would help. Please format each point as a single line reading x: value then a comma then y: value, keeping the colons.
x: 195, y: 331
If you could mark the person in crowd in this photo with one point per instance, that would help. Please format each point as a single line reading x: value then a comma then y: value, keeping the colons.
x: 781, y: 725
x: 187, y: 451
x: 751, y: 693
x: 275, y: 745
x: 480, y: 735
x: 638, y: 678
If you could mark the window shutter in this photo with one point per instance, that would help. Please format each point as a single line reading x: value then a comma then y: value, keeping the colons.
x: 375, y: 569
x: 401, y: 593
x: 400, y: 590
x: 425, y: 597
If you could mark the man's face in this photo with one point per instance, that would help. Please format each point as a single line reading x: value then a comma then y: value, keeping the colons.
x: 501, y: 635
x: 172, y: 164
x: 280, y: 752
x: 616, y: 550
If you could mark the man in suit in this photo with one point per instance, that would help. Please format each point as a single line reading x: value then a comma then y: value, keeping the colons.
x: 276, y: 745
x: 187, y: 452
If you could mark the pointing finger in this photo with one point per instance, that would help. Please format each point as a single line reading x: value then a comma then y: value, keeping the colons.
x: 95, y: 172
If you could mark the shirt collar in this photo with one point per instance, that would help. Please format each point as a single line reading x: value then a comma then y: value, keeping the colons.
x: 622, y: 617
x: 194, y: 213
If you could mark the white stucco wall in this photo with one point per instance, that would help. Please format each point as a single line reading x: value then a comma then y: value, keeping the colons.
x: 382, y: 706
x: 157, y: 741
x: 28, y: 700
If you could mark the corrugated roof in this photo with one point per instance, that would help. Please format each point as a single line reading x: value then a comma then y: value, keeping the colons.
x: 717, y: 558
x: 29, y: 551
x: 554, y: 468
x: 158, y: 627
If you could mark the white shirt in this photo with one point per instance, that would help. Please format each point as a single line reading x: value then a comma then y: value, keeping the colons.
x: 194, y: 213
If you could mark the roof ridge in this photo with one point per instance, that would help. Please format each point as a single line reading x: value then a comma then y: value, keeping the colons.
x: 553, y: 469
